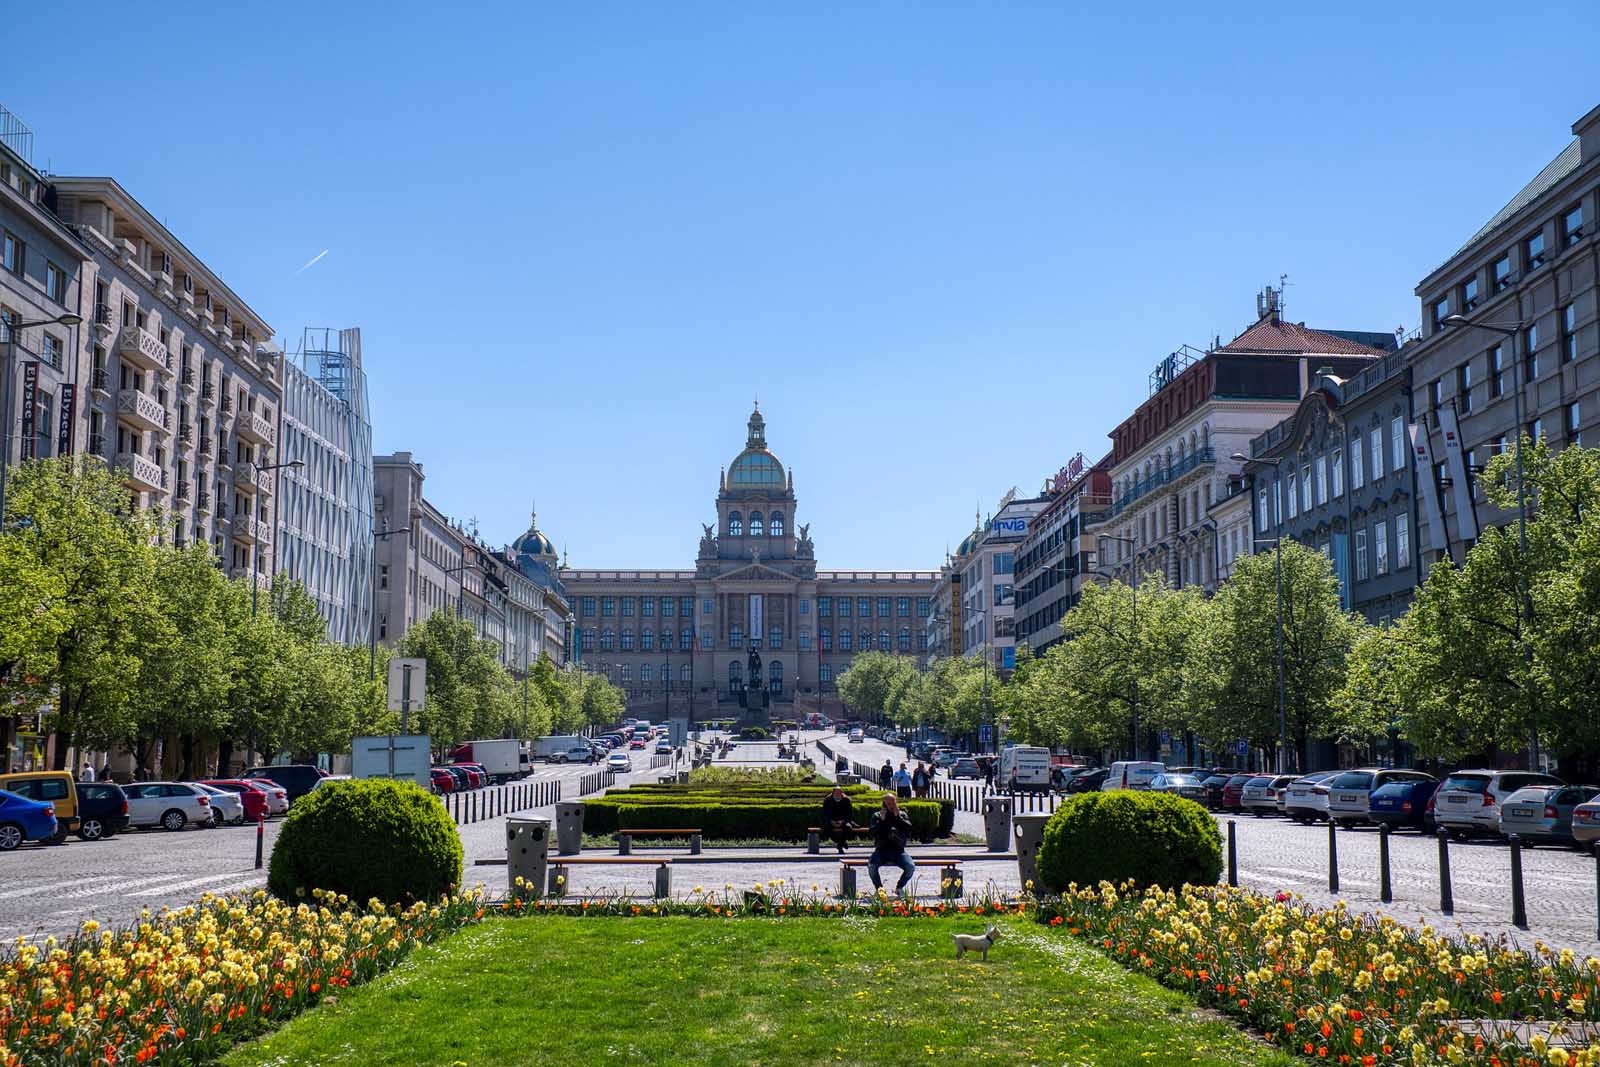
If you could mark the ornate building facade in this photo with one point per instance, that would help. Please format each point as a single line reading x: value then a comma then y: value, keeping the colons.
x: 754, y: 631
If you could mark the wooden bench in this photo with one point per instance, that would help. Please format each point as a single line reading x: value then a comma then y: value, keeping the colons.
x: 625, y: 838
x: 559, y: 865
x: 949, y: 877
x: 814, y: 837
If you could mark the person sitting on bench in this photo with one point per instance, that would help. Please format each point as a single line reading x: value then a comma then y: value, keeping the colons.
x: 890, y: 830
x: 838, y: 817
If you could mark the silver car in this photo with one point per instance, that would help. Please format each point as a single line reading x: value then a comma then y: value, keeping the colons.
x: 226, y: 807
x: 1188, y: 786
x: 1542, y: 814
x: 1260, y: 796
x: 1586, y: 823
x: 169, y: 805
x: 1468, y: 802
x: 1306, y: 798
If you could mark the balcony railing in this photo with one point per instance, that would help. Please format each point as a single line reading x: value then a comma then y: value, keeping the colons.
x: 187, y: 377
x: 202, y: 501
x: 141, y: 409
x: 144, y: 348
x: 208, y: 391
x: 141, y: 472
x: 1200, y: 457
x: 97, y: 444
x: 101, y: 380
x: 244, y: 477
x: 254, y: 427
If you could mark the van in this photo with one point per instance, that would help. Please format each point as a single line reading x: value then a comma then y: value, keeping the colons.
x: 1132, y: 774
x: 1025, y: 767
x: 51, y: 787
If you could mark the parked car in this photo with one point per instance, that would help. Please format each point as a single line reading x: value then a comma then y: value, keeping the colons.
x: 443, y: 780
x: 462, y: 779
x: 965, y: 767
x: 226, y: 807
x: 327, y: 779
x: 1586, y: 823
x: 25, y: 819
x: 1260, y: 794
x: 856, y: 737
x: 476, y: 772
x: 1132, y: 774
x: 663, y: 747
x: 1348, y: 793
x: 1403, y: 804
x: 1306, y: 798
x: 55, y: 788
x: 1088, y: 781
x: 277, y: 796
x: 102, y: 810
x: 1233, y: 792
x: 1468, y: 802
x: 1542, y: 814
x: 252, y: 798
x: 1188, y: 786
x: 296, y: 778
x: 169, y: 805
x: 619, y: 762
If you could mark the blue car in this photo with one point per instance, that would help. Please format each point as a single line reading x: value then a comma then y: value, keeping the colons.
x: 1403, y: 804
x: 22, y: 820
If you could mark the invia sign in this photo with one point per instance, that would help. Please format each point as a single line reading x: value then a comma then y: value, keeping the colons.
x: 1009, y: 527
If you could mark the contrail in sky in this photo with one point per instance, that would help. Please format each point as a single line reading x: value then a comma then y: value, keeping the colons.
x: 312, y: 261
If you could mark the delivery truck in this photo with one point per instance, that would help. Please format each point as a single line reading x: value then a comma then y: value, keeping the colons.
x: 1025, y: 767
x: 506, y: 760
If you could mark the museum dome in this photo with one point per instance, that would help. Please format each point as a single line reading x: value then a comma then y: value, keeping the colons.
x: 755, y: 467
x: 533, y: 543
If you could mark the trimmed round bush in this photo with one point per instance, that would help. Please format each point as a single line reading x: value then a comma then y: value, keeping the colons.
x: 369, y: 838
x: 1151, y: 838
x: 755, y: 733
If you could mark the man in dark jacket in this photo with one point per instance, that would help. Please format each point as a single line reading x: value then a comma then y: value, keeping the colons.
x: 886, y: 775
x: 838, y: 817
x: 890, y: 830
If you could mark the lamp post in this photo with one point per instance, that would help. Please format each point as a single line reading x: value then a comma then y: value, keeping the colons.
x: 255, y: 575
x: 12, y: 328
x: 1515, y: 331
x: 372, y: 619
x: 1134, y: 587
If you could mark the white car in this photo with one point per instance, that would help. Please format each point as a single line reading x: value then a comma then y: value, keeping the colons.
x: 169, y: 805
x: 1469, y: 802
x: 1132, y: 774
x: 856, y: 736
x: 1306, y: 799
x: 619, y: 762
x: 226, y: 807
x: 277, y: 795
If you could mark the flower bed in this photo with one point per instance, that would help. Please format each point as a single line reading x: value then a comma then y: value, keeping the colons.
x: 182, y: 986
x: 1349, y: 989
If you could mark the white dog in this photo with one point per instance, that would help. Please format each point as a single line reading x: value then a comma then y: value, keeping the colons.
x: 980, y: 943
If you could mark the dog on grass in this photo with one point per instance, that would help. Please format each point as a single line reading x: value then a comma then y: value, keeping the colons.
x: 979, y: 943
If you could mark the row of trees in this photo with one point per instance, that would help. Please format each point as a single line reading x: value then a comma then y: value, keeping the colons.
x: 123, y: 640
x: 1500, y: 649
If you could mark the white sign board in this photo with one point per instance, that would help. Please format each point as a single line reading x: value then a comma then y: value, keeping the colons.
x: 408, y: 756
x: 408, y: 684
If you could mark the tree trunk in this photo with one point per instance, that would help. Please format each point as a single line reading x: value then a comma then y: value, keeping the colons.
x: 186, y: 757
x: 225, y: 757
x: 58, y: 754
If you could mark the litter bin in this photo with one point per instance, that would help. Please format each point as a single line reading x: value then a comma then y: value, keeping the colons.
x: 569, y: 827
x: 683, y: 777
x: 527, y: 856
x: 1028, y: 832
x: 845, y: 779
x: 997, y: 823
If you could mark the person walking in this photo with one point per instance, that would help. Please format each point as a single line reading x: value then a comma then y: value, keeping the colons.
x: 838, y: 817
x: 87, y: 773
x: 988, y: 773
x: 902, y: 783
x: 919, y: 781
x: 105, y: 771
x: 890, y: 830
x: 886, y: 775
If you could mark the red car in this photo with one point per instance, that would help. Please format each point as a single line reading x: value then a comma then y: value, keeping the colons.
x: 443, y: 780
x: 1233, y: 792
x: 253, y: 799
x: 477, y: 772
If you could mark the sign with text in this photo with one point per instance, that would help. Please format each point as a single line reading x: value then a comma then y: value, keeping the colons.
x: 408, y: 684
x: 1460, y: 478
x: 30, y: 402
x: 1427, y: 487
x: 1017, y: 527
x: 69, y: 408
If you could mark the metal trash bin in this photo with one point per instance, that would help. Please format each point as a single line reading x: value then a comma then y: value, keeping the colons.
x: 1028, y: 834
x: 683, y: 777
x: 997, y: 823
x: 527, y: 856
x: 569, y: 827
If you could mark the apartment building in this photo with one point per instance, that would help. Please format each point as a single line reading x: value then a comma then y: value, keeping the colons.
x: 1055, y: 557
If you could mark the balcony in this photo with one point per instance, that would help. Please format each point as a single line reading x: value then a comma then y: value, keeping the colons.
x: 105, y: 320
x: 250, y: 531
x: 142, y: 410
x: 1200, y: 457
x: 205, y: 446
x: 144, y: 349
x: 186, y: 432
x: 181, y: 494
x: 100, y: 382
x: 263, y: 581
x: 244, y: 477
x: 208, y: 392
x: 187, y: 377
x: 140, y: 472
x: 202, y: 503
x: 253, y: 427
x: 227, y: 404
x: 97, y: 444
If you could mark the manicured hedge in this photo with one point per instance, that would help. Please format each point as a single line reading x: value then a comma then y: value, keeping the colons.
x: 742, y: 812
x: 1152, y: 838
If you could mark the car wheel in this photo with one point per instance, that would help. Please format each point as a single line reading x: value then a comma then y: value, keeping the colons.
x: 217, y: 818
x: 10, y: 836
x: 240, y: 820
x: 174, y: 820
x: 92, y: 830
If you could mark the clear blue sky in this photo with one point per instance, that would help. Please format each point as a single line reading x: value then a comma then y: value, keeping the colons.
x: 944, y: 242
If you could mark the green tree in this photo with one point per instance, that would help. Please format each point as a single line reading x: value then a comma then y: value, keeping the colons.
x: 462, y: 673
x: 872, y: 677
x: 187, y: 653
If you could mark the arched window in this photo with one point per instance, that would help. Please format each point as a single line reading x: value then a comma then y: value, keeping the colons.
x: 627, y: 640
x: 627, y: 672
x: 844, y: 640
x: 775, y: 524
x: 588, y: 640
x: 866, y: 640
x: 1194, y: 441
x: 647, y: 639
x: 1180, y: 451
x: 883, y: 641
x: 1205, y: 436
x: 685, y: 673
x: 647, y: 673
x: 666, y: 639
x: 775, y: 676
x: 735, y: 525
x: 756, y: 529
x: 607, y: 638
x: 905, y: 639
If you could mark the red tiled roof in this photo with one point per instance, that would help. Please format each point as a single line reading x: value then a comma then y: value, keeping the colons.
x: 1274, y: 335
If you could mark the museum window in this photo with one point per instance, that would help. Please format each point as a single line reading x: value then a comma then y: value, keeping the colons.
x: 883, y: 641
x: 627, y: 640
x: 825, y: 607
x: 735, y: 524
x: 735, y: 676
x: 667, y: 604
x: 685, y: 673
x: 706, y: 606
x: 805, y: 607
x: 757, y: 529
x: 588, y: 640
x: 686, y: 607
x: 924, y: 607
x: 826, y: 674
x: 905, y: 639
x: 805, y: 639
x: 647, y: 639
x: 608, y: 638
x: 825, y: 639
x: 844, y: 641
x: 627, y: 607
x: 775, y: 637
x: 864, y: 607
x: 648, y: 607
x: 736, y: 637
x: 902, y: 607
x: 608, y: 606
x: 588, y: 605
x: 707, y: 641
x: 883, y: 607
x: 647, y: 673
x: 775, y: 524
x: 844, y: 607
x: 775, y: 676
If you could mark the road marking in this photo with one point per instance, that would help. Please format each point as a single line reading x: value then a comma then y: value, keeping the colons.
x: 190, y: 884
x: 12, y: 894
x: 120, y: 885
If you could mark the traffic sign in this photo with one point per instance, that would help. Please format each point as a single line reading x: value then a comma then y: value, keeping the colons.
x: 408, y: 684
x: 1244, y: 748
x: 983, y: 734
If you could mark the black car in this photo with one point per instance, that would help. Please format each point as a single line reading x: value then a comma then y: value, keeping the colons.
x: 102, y: 810
x: 1213, y: 784
x: 1088, y: 781
x: 297, y: 779
x: 463, y: 779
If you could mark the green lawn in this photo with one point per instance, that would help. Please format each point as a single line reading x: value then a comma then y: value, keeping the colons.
x: 737, y: 993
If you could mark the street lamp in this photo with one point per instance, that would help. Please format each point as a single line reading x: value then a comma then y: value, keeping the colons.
x: 1515, y: 331
x: 1134, y: 587
x: 69, y: 319
x: 255, y: 575
x: 372, y: 620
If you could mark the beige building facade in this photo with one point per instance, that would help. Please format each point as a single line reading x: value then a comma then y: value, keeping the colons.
x: 754, y: 631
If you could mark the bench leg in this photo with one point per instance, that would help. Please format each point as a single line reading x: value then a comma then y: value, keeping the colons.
x: 847, y: 882
x: 624, y: 844
x: 694, y: 844
x: 558, y: 880
x: 663, y: 881
x: 813, y: 843
x: 950, y: 882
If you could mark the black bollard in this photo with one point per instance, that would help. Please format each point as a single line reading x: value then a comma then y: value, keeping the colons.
x: 1447, y: 899
x: 261, y: 837
x: 1519, y: 905
x: 1385, y: 890
x: 1233, y: 854
x: 1597, y: 892
x: 1333, y: 856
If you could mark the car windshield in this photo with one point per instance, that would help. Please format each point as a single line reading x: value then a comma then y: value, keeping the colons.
x: 1466, y: 783
x: 1240, y: 779
x: 1390, y: 789
x: 1316, y: 776
x: 1180, y: 779
x: 1353, y: 780
x: 1261, y: 779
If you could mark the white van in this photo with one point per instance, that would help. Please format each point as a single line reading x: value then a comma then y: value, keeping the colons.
x: 1132, y: 774
x: 1025, y: 767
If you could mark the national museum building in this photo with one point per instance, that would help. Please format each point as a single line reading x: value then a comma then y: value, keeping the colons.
x: 754, y: 630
